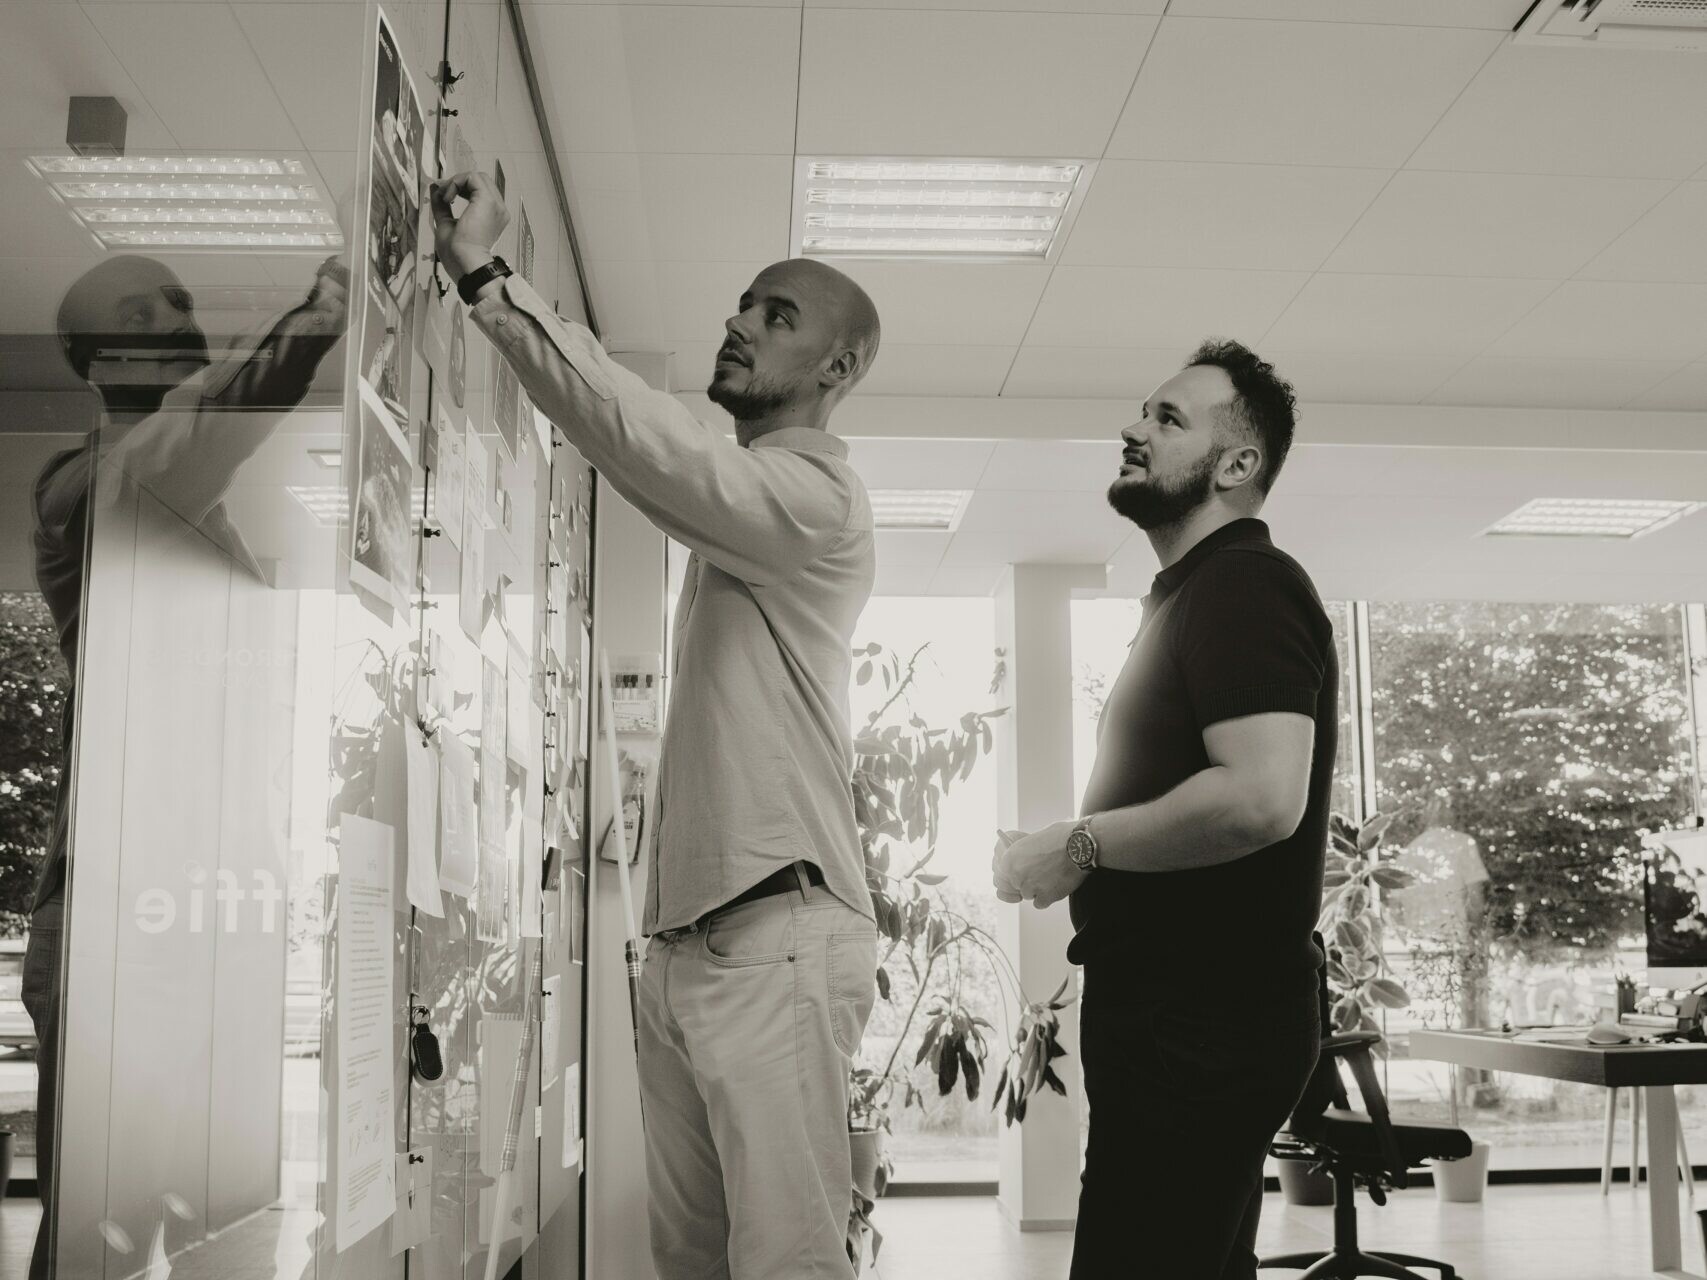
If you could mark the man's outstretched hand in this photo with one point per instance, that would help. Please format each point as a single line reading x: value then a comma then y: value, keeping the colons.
x: 464, y: 241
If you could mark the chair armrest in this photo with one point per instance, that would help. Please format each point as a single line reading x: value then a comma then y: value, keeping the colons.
x: 1362, y: 1064
x: 1345, y: 1041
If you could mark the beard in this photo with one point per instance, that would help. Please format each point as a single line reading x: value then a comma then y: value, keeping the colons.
x: 1155, y: 504
x: 761, y: 396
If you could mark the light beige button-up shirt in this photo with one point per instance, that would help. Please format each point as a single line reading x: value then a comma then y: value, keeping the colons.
x: 758, y: 750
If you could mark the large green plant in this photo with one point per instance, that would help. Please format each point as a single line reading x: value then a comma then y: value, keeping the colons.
x: 903, y: 766
x: 1358, y: 977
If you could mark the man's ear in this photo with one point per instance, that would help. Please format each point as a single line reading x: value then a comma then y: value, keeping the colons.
x: 840, y: 371
x: 1242, y: 469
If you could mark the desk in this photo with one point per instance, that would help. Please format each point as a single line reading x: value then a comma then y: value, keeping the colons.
x: 1652, y: 1068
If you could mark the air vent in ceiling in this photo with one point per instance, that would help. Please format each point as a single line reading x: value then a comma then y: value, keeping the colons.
x: 1643, y: 24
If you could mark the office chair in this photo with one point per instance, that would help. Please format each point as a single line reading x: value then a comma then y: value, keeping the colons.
x: 1358, y: 1147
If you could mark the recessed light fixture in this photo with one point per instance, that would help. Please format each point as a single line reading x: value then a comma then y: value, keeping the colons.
x: 194, y: 202
x: 949, y: 210
x: 331, y: 459
x: 1589, y: 518
x: 919, y: 510
x: 329, y: 504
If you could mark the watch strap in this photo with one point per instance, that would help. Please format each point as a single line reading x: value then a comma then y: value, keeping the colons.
x: 469, y: 287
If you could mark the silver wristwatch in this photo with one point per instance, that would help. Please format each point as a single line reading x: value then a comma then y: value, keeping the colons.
x: 1082, y: 846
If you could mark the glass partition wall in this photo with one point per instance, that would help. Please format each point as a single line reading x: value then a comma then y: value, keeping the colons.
x: 282, y: 564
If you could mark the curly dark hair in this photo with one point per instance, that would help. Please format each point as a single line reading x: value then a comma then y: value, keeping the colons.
x: 1263, y: 402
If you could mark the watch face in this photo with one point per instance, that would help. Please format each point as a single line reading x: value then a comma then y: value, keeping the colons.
x: 1081, y: 848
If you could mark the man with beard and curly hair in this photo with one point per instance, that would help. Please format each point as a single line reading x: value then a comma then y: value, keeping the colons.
x: 761, y: 970
x: 1195, y: 868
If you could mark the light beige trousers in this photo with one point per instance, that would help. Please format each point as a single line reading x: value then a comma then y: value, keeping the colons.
x: 748, y: 1028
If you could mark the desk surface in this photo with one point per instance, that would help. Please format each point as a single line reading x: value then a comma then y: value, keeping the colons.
x: 1609, y: 1065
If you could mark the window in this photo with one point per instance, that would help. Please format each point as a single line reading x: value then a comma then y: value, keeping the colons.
x: 1526, y: 747
x: 950, y: 644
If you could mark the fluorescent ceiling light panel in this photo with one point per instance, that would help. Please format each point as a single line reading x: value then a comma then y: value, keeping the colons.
x: 329, y: 504
x: 919, y: 510
x: 1589, y: 518
x: 941, y: 210
x: 194, y: 202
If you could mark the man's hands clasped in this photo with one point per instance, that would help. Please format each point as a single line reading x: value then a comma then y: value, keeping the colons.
x: 1034, y: 867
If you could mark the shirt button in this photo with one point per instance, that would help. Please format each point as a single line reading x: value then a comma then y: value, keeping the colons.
x: 503, y: 320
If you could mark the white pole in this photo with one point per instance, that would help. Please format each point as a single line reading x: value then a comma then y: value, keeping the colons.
x: 613, y: 770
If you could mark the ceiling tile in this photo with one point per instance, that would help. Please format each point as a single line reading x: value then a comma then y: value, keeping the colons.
x: 907, y: 370
x: 1010, y: 6
x: 1605, y: 320
x: 919, y: 464
x: 656, y: 304
x: 1684, y: 390
x: 1158, y: 306
x: 626, y: 296
x: 1629, y: 113
x: 1265, y: 92
x: 967, y: 579
x: 680, y: 207
x: 1667, y: 244
x: 1488, y: 224
x: 1552, y: 383
x: 1008, y: 526
x: 1410, y: 315
x: 1488, y: 15
x: 914, y: 549
x: 1068, y: 465
x: 902, y: 579
x: 1341, y: 377
x: 49, y: 52
x: 643, y: 78
x: 186, y: 56
x: 1153, y: 213
x: 927, y: 82
x: 1102, y: 373
x: 950, y: 303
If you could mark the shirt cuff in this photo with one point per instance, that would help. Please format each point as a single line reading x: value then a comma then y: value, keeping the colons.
x: 1256, y: 700
x: 495, y: 314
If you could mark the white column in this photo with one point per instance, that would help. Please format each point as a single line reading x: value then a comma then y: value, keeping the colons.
x: 1039, y: 1159
x: 628, y: 617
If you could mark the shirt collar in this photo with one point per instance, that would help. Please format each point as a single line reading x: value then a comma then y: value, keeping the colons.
x: 1169, y: 579
x: 803, y: 440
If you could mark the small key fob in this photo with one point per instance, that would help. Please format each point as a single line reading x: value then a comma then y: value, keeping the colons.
x: 424, y: 1052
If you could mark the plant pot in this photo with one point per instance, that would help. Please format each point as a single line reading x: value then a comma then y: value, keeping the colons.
x: 865, y: 1148
x: 1302, y: 1183
x: 1463, y: 1181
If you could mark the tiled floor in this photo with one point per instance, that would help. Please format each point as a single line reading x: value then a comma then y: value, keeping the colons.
x: 1517, y: 1233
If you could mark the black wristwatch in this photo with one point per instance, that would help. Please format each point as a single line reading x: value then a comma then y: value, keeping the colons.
x: 1082, y: 846
x: 469, y: 287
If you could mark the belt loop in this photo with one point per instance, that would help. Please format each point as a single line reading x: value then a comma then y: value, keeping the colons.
x: 800, y: 875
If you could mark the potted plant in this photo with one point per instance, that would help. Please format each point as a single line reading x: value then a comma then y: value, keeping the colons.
x: 1359, y: 980
x: 903, y: 767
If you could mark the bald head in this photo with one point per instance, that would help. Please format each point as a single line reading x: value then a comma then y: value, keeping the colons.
x: 858, y: 327
x: 802, y: 338
x: 122, y: 295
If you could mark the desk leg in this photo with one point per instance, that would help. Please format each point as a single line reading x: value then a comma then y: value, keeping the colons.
x: 1664, y: 1238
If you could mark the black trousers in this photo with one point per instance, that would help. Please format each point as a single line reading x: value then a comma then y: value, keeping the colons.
x: 40, y: 992
x: 1183, y: 1102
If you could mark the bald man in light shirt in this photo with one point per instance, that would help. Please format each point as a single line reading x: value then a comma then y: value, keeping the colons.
x: 761, y: 969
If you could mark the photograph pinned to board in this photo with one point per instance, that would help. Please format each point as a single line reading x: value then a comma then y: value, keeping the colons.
x: 524, y: 243
x: 390, y: 284
x: 459, y: 859
x: 506, y: 403
x: 450, y: 477
x: 382, y: 552
x: 492, y: 898
x: 399, y: 128
x: 384, y: 363
x: 458, y: 373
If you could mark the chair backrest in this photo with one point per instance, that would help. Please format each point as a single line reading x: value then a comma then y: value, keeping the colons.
x: 1325, y: 1088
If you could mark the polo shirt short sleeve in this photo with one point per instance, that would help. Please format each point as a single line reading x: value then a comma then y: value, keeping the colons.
x: 1249, y: 640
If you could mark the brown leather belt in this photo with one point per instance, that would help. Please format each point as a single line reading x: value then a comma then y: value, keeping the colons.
x: 782, y: 880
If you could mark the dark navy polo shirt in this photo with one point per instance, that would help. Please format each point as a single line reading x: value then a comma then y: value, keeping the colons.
x: 1234, y: 628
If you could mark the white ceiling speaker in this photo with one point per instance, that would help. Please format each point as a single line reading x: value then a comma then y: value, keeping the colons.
x: 1625, y: 24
